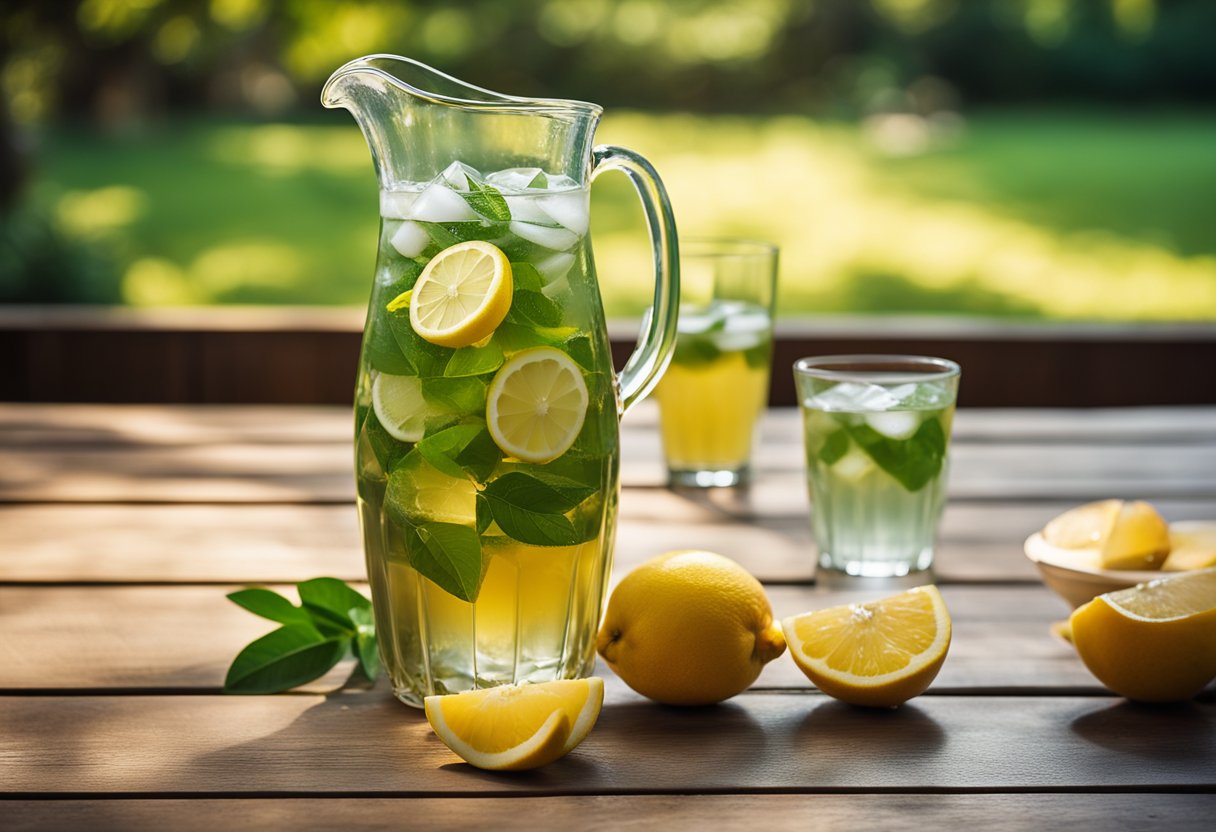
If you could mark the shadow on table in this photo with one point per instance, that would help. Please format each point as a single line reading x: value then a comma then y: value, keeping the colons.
x: 904, y: 732
x: 1167, y: 732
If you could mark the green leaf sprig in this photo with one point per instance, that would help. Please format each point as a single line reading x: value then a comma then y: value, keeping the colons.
x: 332, y: 622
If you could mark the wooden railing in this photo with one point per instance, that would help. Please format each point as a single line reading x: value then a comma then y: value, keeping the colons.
x: 308, y: 356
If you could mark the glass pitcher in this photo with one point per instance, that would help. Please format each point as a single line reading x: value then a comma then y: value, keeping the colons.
x: 486, y: 405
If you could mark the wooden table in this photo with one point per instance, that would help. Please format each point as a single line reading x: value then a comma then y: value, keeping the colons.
x: 122, y: 528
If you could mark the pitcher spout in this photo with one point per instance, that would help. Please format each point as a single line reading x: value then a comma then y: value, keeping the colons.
x: 417, y: 121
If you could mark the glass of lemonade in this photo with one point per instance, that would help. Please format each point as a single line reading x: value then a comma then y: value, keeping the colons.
x: 877, y: 435
x: 716, y: 388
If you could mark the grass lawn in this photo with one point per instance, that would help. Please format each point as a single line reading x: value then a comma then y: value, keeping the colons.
x: 1030, y: 214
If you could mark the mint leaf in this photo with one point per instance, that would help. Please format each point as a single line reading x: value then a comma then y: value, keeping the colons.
x: 329, y: 602
x: 460, y: 395
x: 539, y: 181
x: 834, y: 447
x: 474, y: 361
x: 579, y: 348
x: 760, y: 356
x: 487, y: 201
x: 366, y: 649
x: 381, y: 348
x: 484, y: 516
x: 386, y: 448
x: 480, y: 456
x: 283, y: 659
x: 441, y: 449
x: 533, y: 511
x: 269, y: 604
x: 695, y: 350
x: 525, y: 276
x: 914, y: 461
x: 450, y: 555
x: 534, y: 308
x: 425, y: 359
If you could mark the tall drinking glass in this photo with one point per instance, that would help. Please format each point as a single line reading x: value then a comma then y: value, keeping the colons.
x: 716, y: 387
x: 877, y: 432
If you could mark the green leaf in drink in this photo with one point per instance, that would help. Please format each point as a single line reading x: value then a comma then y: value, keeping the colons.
x: 579, y: 348
x: 285, y: 658
x: 532, y: 510
x: 834, y: 447
x: 759, y: 356
x: 450, y: 555
x: 461, y: 450
x: 534, y: 309
x: 425, y: 359
x: 694, y: 350
x: 487, y: 201
x: 366, y: 649
x: 474, y: 361
x: 459, y: 395
x: 525, y: 276
x: 447, y: 234
x: 383, y: 349
x: 914, y: 461
x: 539, y: 181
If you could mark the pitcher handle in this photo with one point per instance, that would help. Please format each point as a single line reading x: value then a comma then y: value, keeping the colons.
x: 657, y: 339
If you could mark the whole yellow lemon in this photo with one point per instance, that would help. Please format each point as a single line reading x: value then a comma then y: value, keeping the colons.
x: 689, y: 628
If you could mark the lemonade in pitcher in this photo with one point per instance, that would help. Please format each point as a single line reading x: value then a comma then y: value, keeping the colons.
x: 486, y: 405
x: 487, y: 463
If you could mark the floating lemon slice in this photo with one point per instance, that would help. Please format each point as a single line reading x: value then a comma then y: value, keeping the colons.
x: 536, y: 405
x: 399, y: 406
x: 462, y: 295
x: 516, y: 727
x: 881, y: 653
x: 1154, y: 642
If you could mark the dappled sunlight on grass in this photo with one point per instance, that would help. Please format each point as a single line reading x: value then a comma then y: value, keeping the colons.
x: 1023, y: 214
x: 842, y: 219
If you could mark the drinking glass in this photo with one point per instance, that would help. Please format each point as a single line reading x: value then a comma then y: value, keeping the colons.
x: 877, y: 435
x: 716, y: 387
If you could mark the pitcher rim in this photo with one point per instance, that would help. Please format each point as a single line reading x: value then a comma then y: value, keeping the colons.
x: 500, y: 102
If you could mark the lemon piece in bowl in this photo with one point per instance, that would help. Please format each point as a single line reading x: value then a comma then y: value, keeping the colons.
x: 1192, y: 546
x: 1138, y: 539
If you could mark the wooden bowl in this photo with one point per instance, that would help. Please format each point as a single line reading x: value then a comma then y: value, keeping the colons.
x: 1069, y: 573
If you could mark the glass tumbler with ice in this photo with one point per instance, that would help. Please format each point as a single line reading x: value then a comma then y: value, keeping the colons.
x: 877, y: 433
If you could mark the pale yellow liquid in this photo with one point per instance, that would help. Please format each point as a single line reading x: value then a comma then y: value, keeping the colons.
x: 708, y: 412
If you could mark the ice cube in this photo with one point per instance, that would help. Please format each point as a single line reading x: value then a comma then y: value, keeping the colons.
x: 396, y: 205
x: 516, y: 179
x: 569, y: 209
x: 526, y: 209
x: 904, y: 392
x: 439, y: 203
x: 853, y: 465
x: 854, y: 397
x: 894, y: 424
x: 458, y: 174
x: 555, y: 266
x: 410, y: 239
x: 556, y: 239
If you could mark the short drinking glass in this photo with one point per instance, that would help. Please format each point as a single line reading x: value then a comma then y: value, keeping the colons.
x: 877, y: 433
x: 716, y: 387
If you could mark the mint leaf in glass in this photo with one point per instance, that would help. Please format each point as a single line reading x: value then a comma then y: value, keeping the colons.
x: 487, y: 201
x: 534, y: 309
x: 834, y: 447
x: 914, y: 461
x: 366, y: 649
x: 459, y: 395
x: 449, y: 555
x: 695, y: 349
x: 526, y: 276
x: 474, y: 361
x: 533, y: 510
x: 461, y: 450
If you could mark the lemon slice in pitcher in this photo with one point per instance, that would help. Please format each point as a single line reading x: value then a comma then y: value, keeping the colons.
x: 536, y: 405
x: 516, y: 727
x: 462, y: 295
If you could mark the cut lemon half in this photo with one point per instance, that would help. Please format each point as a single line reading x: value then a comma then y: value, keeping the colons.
x: 880, y: 653
x: 399, y: 406
x: 462, y: 295
x: 1112, y: 534
x: 516, y: 727
x: 1154, y: 642
x: 536, y: 405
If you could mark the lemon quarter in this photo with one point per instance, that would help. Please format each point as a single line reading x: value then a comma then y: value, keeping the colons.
x: 880, y: 653
x: 1154, y: 642
x: 536, y: 404
x: 462, y: 295
x: 516, y: 727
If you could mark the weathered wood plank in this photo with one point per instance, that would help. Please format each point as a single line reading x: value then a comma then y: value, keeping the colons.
x: 183, y: 637
x: 368, y: 743
x: 100, y: 543
x: 774, y: 812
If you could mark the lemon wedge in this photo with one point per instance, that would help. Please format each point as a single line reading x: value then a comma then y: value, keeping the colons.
x: 462, y: 295
x: 1192, y: 546
x: 1112, y: 534
x: 1154, y: 642
x: 880, y: 653
x: 399, y: 406
x: 517, y: 727
x: 536, y: 405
